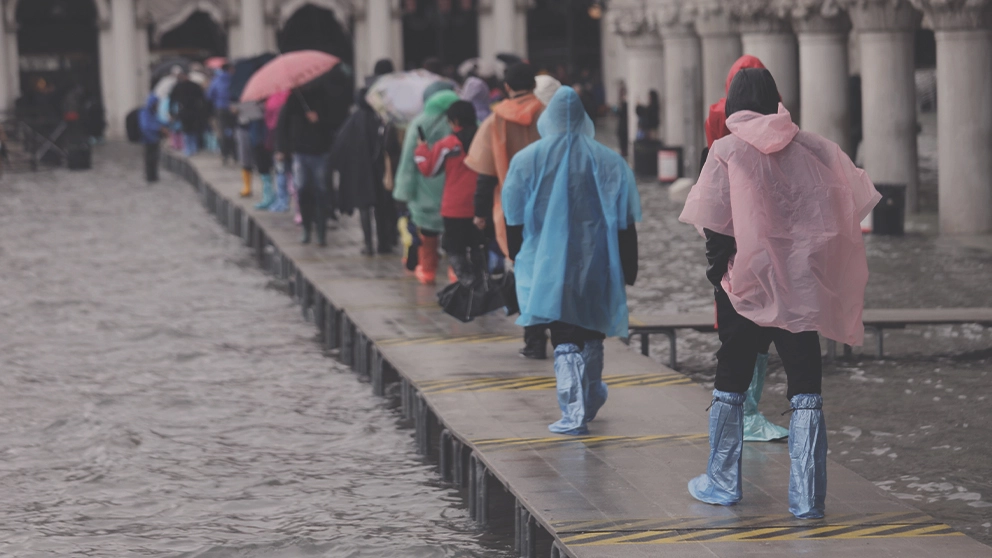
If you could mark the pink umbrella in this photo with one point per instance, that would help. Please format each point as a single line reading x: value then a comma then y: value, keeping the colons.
x: 215, y: 63
x: 287, y: 71
x: 273, y: 105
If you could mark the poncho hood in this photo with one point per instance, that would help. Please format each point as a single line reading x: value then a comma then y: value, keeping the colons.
x: 565, y: 115
x: 437, y: 87
x: 151, y: 102
x: 440, y: 102
x: 522, y: 110
x: 476, y: 92
x: 767, y: 133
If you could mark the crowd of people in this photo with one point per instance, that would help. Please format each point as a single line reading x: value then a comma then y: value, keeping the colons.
x: 523, y: 184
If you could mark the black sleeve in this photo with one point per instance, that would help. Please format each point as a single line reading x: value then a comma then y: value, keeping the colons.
x: 628, y: 253
x: 485, y: 185
x: 719, y: 249
x: 703, y: 157
x: 282, y: 143
x: 514, y: 239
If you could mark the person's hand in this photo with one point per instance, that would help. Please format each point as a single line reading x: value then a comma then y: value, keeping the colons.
x: 312, y: 117
x: 480, y: 223
x: 279, y: 156
x: 421, y: 142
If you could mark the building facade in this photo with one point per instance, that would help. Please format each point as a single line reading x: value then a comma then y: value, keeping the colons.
x: 680, y: 48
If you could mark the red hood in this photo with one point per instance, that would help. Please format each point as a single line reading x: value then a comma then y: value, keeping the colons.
x: 746, y: 61
x: 522, y: 110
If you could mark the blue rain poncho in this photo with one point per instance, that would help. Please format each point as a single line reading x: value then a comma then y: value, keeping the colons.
x: 572, y: 195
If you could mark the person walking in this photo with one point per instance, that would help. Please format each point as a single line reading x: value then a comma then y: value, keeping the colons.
x: 623, y: 126
x: 152, y: 132
x: 189, y: 105
x: 306, y: 130
x: 461, y: 239
x: 359, y: 155
x: 273, y: 106
x: 765, y: 182
x: 571, y: 205
x: 219, y: 95
x: 757, y: 428
x: 422, y: 195
x: 511, y: 127
x: 649, y: 117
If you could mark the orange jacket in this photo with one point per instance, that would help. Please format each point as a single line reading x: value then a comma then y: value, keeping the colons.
x: 511, y: 127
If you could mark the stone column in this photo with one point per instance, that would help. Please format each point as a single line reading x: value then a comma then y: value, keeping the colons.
x: 124, y: 32
x: 396, y: 21
x: 645, y: 60
x: 108, y: 76
x: 765, y: 33
x: 721, y: 44
x: 487, y: 31
x: 380, y: 32
x: 504, y: 26
x: 7, y: 94
x: 11, y: 62
x: 520, y: 27
x: 252, y: 27
x: 964, y: 113
x: 235, y: 45
x: 888, y: 91
x: 143, y: 57
x: 823, y: 72
x: 614, y: 56
x: 683, y: 82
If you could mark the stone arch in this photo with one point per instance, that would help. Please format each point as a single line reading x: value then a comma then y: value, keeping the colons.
x: 10, y: 12
x: 169, y: 20
x: 341, y: 9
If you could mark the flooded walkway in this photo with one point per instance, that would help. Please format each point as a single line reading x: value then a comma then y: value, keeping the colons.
x: 159, y: 397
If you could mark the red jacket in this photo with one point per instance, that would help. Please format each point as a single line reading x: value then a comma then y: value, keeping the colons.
x: 448, y: 156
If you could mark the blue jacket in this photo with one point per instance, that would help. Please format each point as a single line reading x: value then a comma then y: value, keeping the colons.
x: 151, y: 126
x: 219, y: 92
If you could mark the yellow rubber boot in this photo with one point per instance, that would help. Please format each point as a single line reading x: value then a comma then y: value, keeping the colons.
x: 246, y: 178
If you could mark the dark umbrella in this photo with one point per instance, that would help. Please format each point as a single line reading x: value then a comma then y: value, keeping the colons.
x: 243, y: 70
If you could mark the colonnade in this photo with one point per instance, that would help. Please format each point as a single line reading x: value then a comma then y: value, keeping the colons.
x: 683, y: 49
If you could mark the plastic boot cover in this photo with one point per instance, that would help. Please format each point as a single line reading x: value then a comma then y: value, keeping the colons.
x: 721, y: 484
x: 282, y: 190
x: 756, y: 426
x: 268, y: 193
x: 570, y: 369
x: 808, y: 450
x: 594, y: 387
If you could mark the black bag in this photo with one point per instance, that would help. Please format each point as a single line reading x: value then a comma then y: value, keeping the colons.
x: 133, y: 125
x: 464, y: 303
x: 508, y: 289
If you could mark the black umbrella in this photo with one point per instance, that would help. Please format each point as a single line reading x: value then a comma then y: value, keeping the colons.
x: 243, y: 70
x: 466, y: 302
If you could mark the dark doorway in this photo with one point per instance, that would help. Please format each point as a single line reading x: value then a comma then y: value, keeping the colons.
x: 314, y: 28
x: 445, y: 29
x: 563, y: 36
x: 58, y: 45
x: 198, y: 38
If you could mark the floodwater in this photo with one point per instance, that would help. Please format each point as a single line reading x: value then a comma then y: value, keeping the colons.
x: 158, y: 397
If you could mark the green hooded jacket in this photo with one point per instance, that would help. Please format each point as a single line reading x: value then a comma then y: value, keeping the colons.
x: 421, y: 194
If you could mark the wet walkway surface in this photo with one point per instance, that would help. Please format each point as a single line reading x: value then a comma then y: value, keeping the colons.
x: 161, y: 397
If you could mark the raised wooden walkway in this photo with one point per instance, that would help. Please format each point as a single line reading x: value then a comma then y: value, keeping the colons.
x: 481, y: 413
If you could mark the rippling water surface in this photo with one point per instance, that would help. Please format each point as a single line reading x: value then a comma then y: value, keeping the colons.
x: 158, y: 397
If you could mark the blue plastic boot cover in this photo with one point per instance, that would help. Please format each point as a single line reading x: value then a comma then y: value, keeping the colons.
x: 570, y: 370
x: 756, y: 426
x: 282, y: 188
x: 268, y: 194
x: 721, y: 484
x: 808, y: 450
x: 594, y: 388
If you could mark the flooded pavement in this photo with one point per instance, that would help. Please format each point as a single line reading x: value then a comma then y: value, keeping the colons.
x: 160, y: 397
x: 916, y: 423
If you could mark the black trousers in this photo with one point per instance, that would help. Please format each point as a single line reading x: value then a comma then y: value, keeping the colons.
x: 228, y: 122
x: 741, y: 340
x: 152, y: 151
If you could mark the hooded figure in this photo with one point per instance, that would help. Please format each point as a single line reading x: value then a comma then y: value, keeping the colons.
x: 781, y: 211
x: 716, y: 122
x: 358, y: 155
x: 151, y: 136
x: 422, y: 194
x: 476, y: 92
x: 573, y: 196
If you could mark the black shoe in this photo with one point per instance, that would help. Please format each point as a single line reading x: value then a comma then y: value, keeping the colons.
x: 367, y: 251
x: 534, y: 353
x: 306, y: 236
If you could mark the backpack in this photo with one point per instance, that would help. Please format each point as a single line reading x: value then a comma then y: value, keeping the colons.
x: 133, y: 125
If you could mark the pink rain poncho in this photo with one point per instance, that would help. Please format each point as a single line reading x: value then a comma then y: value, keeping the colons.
x: 794, y: 202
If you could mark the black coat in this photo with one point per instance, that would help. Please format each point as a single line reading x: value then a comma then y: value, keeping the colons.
x: 190, y: 105
x: 359, y: 156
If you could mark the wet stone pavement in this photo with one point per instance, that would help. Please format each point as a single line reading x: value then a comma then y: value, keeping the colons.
x: 160, y: 396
